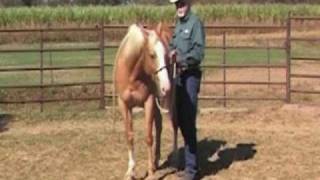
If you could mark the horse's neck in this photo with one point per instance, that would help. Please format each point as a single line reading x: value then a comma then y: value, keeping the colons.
x: 132, y: 54
x: 138, y: 67
x: 128, y: 53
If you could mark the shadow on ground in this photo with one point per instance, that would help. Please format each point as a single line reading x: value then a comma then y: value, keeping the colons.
x: 4, y: 122
x: 214, y: 156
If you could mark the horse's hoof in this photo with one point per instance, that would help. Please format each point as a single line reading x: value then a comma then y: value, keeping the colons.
x: 161, y: 174
x: 151, y: 177
x: 156, y: 164
x: 129, y: 176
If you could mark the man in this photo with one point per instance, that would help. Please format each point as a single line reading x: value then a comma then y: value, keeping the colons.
x: 187, y: 48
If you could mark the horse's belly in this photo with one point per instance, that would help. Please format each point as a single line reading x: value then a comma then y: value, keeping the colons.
x: 135, y: 97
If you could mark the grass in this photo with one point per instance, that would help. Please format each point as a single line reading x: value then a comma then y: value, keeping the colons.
x: 62, y: 111
x: 299, y: 49
x: 53, y: 59
x: 248, y: 56
x: 244, y: 56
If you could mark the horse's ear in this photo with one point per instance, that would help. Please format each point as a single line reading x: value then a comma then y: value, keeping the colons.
x: 145, y: 32
x: 159, y: 28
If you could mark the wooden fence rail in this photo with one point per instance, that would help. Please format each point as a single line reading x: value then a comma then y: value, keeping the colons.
x: 100, y: 30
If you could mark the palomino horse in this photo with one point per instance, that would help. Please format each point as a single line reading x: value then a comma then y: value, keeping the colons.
x: 141, y: 75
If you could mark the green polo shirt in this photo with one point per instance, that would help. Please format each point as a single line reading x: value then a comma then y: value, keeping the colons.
x: 189, y: 39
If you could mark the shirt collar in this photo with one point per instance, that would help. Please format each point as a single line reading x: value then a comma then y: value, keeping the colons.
x: 186, y: 17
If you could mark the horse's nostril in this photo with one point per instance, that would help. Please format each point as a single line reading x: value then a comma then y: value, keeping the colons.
x: 164, y: 90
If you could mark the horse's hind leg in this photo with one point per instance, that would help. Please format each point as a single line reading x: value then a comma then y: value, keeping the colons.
x: 127, y: 116
x: 149, y: 107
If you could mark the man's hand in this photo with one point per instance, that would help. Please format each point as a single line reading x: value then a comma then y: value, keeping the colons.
x: 176, y: 58
x: 173, y: 55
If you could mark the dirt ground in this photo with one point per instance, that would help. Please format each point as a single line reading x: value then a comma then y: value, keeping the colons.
x: 270, y: 142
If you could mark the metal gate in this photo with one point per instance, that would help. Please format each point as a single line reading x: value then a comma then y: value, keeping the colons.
x: 295, y: 58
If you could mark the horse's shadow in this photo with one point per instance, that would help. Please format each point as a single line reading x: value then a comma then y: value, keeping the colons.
x: 4, y: 122
x: 215, y: 155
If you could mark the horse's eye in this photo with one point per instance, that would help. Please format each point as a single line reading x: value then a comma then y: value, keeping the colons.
x: 153, y: 55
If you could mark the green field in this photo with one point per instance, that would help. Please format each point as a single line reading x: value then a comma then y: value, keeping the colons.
x: 212, y: 57
x: 233, y: 56
x: 56, y: 59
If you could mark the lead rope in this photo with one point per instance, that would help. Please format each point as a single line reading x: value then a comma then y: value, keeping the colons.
x: 164, y: 110
x: 174, y: 75
x: 173, y: 104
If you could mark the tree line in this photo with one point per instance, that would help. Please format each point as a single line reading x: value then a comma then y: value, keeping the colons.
x: 7, y: 3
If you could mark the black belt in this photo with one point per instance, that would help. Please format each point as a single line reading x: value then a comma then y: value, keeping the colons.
x: 189, y: 67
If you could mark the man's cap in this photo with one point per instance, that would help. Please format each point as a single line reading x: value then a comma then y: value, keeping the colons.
x: 174, y: 1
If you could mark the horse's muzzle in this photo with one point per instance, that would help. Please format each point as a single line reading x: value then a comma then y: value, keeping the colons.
x: 164, y: 88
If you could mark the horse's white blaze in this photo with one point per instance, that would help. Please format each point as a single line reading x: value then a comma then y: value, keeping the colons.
x: 163, y: 73
x: 131, y: 163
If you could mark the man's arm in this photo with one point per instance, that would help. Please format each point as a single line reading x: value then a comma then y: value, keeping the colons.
x: 172, y: 43
x: 196, y: 53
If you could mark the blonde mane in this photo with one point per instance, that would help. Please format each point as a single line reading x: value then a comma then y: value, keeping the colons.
x: 133, y: 41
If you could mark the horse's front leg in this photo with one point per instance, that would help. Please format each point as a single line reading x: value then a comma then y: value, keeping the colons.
x: 149, y: 107
x: 127, y: 116
x: 158, y: 131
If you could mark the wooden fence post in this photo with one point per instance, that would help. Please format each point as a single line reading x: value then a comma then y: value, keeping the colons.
x: 269, y: 62
x: 224, y: 71
x: 102, y: 78
x: 288, y: 63
x: 41, y: 71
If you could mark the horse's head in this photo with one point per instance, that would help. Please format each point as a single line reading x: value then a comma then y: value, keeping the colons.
x: 165, y: 34
x: 156, y: 59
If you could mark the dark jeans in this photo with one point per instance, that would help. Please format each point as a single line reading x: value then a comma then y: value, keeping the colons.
x: 187, y: 89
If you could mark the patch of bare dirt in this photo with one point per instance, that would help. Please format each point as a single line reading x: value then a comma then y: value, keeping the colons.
x: 266, y: 142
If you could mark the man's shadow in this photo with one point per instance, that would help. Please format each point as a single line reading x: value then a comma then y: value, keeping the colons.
x: 4, y: 122
x: 215, y: 155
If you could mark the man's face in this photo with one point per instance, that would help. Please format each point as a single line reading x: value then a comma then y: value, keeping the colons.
x: 182, y: 8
